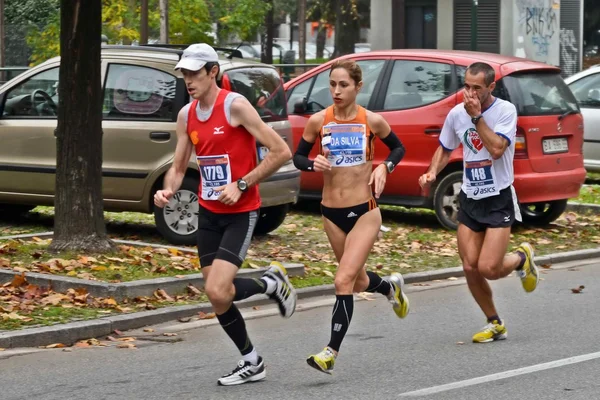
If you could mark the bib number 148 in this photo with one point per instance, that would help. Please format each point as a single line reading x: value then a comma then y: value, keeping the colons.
x: 478, y: 174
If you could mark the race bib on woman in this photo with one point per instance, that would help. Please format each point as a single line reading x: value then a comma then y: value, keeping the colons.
x: 347, y: 144
x: 216, y: 172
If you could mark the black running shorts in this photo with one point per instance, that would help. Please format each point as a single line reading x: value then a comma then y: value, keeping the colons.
x: 491, y: 212
x: 224, y: 236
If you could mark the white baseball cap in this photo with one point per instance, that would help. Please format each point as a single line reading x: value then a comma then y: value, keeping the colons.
x: 196, y: 56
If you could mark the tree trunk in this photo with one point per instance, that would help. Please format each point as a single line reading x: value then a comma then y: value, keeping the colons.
x: 321, y: 39
x: 164, y: 21
x: 302, y: 31
x: 144, y: 22
x: 344, y: 28
x: 266, y: 53
x: 78, y: 217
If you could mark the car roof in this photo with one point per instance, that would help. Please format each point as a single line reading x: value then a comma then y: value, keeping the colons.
x: 504, y: 64
x: 169, y: 55
x: 594, y: 69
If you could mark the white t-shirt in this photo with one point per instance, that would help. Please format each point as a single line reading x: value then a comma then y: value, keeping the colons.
x: 482, y: 176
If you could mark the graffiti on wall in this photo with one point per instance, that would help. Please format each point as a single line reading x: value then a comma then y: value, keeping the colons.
x: 537, y: 30
x: 569, y: 57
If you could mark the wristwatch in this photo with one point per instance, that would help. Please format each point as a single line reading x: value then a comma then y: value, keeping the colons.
x: 242, y: 185
x: 476, y: 119
x: 390, y: 166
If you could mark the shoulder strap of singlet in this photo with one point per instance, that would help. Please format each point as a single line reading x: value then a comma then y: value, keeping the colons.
x: 191, y: 115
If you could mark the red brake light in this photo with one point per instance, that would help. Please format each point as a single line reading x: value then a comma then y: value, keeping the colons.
x: 520, y: 143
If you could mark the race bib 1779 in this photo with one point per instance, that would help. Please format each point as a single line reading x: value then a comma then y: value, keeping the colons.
x: 216, y: 172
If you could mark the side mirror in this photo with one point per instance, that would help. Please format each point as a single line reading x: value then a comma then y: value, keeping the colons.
x: 300, y: 107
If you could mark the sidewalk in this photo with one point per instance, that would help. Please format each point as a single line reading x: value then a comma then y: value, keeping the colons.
x: 70, y: 333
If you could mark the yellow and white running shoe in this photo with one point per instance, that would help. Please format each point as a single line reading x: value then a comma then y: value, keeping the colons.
x: 529, y: 273
x: 323, y: 361
x: 397, y: 298
x: 490, y: 332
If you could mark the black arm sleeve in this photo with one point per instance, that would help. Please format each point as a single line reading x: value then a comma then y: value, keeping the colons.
x: 301, y: 160
x: 396, y: 148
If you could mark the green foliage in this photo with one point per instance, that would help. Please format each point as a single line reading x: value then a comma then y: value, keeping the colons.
x: 189, y: 22
x: 242, y: 17
x: 44, y: 43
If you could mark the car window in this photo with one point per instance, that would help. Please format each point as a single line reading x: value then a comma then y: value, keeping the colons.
x: 539, y: 93
x: 417, y: 83
x: 262, y: 87
x: 36, y: 97
x: 298, y: 93
x: 140, y: 93
x: 320, y: 97
x: 587, y: 90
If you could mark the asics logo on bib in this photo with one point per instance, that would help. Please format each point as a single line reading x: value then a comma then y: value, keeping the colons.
x: 218, y: 130
x: 348, y: 160
x: 484, y: 190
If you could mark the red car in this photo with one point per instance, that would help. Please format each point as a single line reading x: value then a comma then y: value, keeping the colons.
x: 415, y: 89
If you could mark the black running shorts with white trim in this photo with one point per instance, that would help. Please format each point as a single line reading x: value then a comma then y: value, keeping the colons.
x: 224, y: 236
x: 491, y: 212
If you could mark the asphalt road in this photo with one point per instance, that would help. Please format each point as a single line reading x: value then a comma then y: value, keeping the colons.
x: 552, y: 352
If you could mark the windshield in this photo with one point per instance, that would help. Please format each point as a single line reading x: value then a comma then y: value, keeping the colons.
x: 537, y: 93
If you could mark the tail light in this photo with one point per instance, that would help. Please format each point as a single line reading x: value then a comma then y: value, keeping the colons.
x: 520, y: 143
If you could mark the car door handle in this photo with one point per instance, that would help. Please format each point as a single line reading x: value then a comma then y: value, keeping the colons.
x: 161, y: 136
x: 433, y: 131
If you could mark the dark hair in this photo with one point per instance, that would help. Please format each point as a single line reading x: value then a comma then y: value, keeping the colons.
x: 489, y: 75
x: 351, y: 66
x: 209, y: 66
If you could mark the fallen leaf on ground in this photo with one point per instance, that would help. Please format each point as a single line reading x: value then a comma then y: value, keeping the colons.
x: 203, y: 315
x: 453, y: 278
x: 193, y: 290
x: 328, y: 273
x: 256, y: 308
x: 55, y: 346
x: 547, y: 266
x: 169, y: 334
x: 126, y: 339
x: 67, y: 350
x: 460, y: 342
x: 162, y: 295
x: 148, y: 330
x: 2, y: 349
x: 118, y: 332
x: 185, y: 319
x: 126, y: 346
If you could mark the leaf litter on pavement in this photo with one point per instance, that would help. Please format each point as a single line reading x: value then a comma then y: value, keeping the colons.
x: 23, y: 304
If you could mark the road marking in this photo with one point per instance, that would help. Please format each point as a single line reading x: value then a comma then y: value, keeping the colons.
x: 502, y: 375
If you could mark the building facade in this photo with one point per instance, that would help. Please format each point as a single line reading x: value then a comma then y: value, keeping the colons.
x: 549, y: 31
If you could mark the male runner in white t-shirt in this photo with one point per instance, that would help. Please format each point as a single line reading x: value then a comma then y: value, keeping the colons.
x: 486, y: 127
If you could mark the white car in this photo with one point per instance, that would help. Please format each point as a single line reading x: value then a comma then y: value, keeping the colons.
x: 585, y: 85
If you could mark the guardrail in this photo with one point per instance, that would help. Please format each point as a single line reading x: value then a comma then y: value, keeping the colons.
x: 7, y: 73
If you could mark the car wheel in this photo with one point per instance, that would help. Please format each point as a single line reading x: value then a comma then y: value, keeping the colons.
x: 543, y: 213
x: 445, y: 199
x: 269, y: 218
x: 177, y: 222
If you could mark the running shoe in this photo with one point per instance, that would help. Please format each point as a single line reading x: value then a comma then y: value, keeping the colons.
x: 284, y: 294
x: 490, y: 332
x: 397, y: 298
x: 244, y: 372
x: 529, y: 273
x: 323, y: 361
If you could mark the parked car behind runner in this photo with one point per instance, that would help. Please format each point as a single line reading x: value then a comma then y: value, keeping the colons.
x: 415, y: 89
x: 142, y: 96
x: 585, y: 85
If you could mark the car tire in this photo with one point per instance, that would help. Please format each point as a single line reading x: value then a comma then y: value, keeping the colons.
x: 270, y: 218
x: 177, y: 222
x: 540, y: 214
x: 445, y: 199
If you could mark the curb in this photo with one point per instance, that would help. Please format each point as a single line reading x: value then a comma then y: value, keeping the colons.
x: 583, y: 208
x: 70, y: 333
x: 139, y: 288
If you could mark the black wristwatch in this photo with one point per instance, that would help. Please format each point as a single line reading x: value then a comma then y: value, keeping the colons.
x: 476, y: 119
x: 389, y: 165
x: 242, y: 185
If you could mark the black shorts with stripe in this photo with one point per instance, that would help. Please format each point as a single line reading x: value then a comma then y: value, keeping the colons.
x: 224, y: 236
x: 498, y: 211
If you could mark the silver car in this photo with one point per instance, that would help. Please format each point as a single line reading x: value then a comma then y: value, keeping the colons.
x: 142, y: 96
x: 585, y: 85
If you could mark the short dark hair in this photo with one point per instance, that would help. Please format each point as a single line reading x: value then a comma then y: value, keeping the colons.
x: 209, y: 65
x: 489, y: 75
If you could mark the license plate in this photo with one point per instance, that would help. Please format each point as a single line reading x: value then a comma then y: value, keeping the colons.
x: 262, y: 152
x: 558, y: 145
